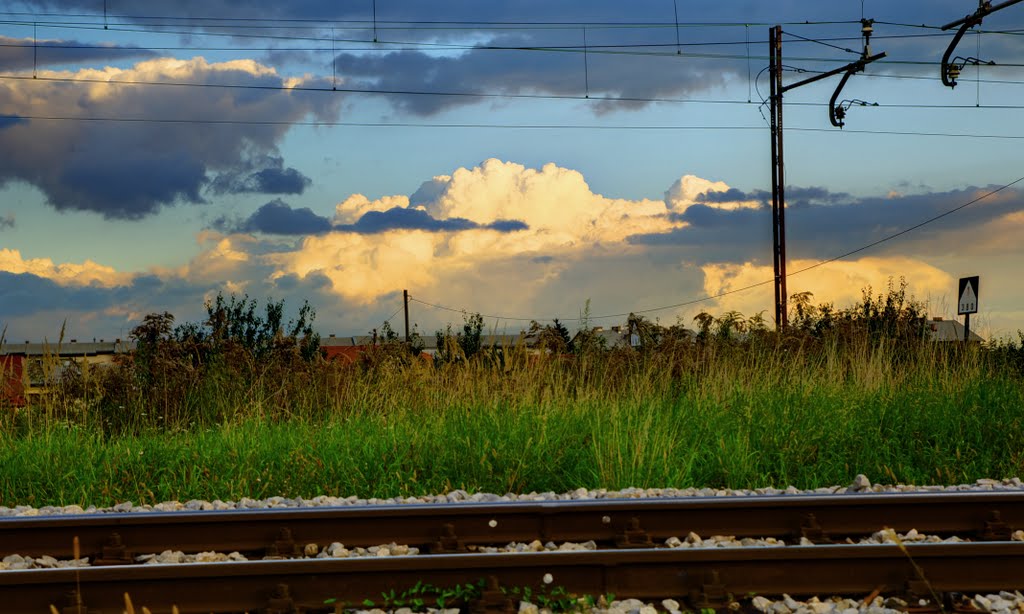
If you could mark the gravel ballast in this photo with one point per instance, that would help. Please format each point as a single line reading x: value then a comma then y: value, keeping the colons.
x: 860, y: 485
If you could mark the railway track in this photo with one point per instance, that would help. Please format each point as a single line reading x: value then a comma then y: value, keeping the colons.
x: 627, y: 562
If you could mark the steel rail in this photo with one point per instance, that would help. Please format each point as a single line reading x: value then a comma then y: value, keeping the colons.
x: 702, y: 577
x: 450, y: 527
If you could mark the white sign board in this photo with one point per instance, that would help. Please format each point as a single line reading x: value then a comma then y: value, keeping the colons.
x: 968, y: 293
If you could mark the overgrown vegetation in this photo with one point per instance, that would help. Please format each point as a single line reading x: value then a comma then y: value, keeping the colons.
x: 241, y: 405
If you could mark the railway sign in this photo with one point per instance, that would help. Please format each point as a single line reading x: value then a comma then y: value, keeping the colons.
x: 968, y: 303
x: 968, y: 294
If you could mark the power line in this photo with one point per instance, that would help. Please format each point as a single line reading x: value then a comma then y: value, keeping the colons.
x: 634, y: 50
x: 821, y: 42
x: 397, y: 311
x: 368, y: 124
x: 454, y: 94
x: 820, y: 263
x: 352, y: 124
x: 275, y: 22
x: 389, y: 46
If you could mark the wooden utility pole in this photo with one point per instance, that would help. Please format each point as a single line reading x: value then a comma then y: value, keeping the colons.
x: 405, y: 306
x: 836, y: 114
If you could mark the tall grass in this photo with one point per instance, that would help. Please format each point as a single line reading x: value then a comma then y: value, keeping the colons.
x: 768, y: 411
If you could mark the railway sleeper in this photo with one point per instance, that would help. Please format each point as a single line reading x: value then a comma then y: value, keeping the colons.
x: 284, y: 546
x: 73, y: 604
x: 281, y: 601
x: 811, y: 530
x: 493, y: 600
x: 711, y: 594
x: 633, y: 536
x: 995, y: 529
x: 114, y: 552
x: 448, y: 542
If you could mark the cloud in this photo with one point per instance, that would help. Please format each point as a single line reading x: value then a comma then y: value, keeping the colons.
x: 87, y: 273
x: 619, y: 81
x: 26, y: 53
x: 270, y: 178
x: 399, y: 218
x: 25, y: 294
x: 837, y: 282
x: 567, y: 245
x: 277, y: 217
x: 131, y: 170
x: 829, y: 224
x: 642, y: 62
x: 7, y: 221
x: 464, y: 224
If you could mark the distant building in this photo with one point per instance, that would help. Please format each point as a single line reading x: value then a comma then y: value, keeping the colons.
x: 350, y: 348
x: 26, y: 369
x: 949, y: 330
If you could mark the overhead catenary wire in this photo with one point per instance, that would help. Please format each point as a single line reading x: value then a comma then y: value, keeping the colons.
x: 455, y: 94
x: 710, y: 297
x: 495, y: 126
x: 635, y: 49
x: 389, y: 46
x: 276, y: 22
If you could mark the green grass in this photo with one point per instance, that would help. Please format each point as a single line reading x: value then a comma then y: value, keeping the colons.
x: 724, y: 416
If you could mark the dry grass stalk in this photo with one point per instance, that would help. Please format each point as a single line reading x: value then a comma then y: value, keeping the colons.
x: 917, y: 569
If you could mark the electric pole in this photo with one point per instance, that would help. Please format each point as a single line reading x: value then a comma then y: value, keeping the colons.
x: 405, y: 306
x: 836, y: 114
x: 778, y: 176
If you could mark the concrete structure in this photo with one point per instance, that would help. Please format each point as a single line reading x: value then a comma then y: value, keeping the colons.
x: 949, y: 330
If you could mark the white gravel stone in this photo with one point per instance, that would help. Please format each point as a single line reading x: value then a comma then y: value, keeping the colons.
x: 860, y: 484
x: 1010, y: 603
x: 721, y: 541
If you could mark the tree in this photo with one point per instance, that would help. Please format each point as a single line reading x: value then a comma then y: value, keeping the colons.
x: 236, y: 323
x: 552, y: 337
x: 453, y: 347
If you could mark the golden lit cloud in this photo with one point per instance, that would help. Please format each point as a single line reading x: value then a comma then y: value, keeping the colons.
x: 87, y: 273
x: 836, y: 282
x: 563, y: 217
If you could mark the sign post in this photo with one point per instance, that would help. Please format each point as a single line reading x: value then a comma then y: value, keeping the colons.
x: 968, y: 303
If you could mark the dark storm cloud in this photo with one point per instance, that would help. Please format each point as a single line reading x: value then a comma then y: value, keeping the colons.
x: 101, y: 312
x: 594, y: 11
x: 626, y: 80
x: 273, y: 178
x: 131, y: 170
x: 399, y: 218
x: 633, y: 70
x: 507, y: 225
x: 813, y: 194
x: 23, y: 54
x: 828, y: 226
x: 732, y: 195
x: 278, y: 218
x: 25, y: 294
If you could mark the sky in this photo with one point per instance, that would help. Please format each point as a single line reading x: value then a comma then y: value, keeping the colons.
x: 524, y: 160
